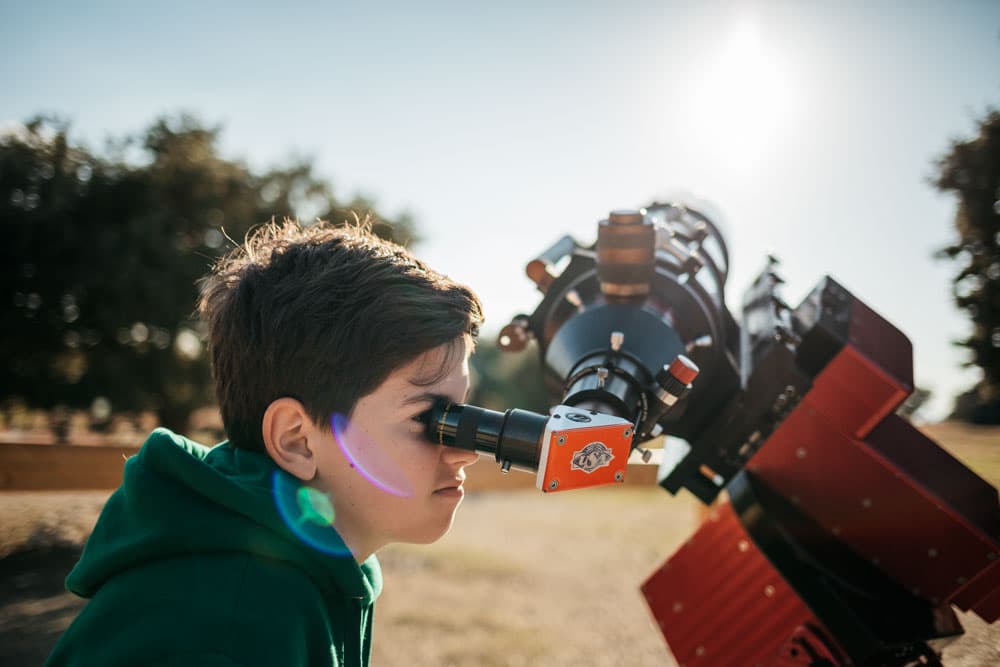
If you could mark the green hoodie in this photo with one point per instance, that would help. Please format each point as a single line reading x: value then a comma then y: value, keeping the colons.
x: 191, y: 564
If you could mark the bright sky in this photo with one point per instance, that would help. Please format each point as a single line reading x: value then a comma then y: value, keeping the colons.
x: 811, y: 126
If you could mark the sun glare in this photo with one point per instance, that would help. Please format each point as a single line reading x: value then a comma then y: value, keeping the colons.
x: 742, y: 101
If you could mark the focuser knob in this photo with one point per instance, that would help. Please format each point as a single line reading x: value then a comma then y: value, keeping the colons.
x: 682, y: 370
x: 675, y: 380
x: 673, y: 383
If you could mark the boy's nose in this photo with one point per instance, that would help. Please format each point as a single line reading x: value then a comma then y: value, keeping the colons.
x: 459, y: 456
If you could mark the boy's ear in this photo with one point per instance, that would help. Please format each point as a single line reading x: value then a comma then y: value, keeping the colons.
x: 286, y: 430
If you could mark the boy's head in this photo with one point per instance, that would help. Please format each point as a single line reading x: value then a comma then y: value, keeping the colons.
x: 308, y: 323
x: 321, y: 314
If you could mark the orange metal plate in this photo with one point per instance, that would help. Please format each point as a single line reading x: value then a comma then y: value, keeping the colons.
x: 559, y: 466
x: 863, y: 500
x: 718, y: 601
x: 856, y: 394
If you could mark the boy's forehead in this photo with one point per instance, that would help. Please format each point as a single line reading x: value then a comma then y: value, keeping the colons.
x: 447, y: 365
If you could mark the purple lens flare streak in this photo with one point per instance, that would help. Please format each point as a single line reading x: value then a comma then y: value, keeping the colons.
x: 370, y: 459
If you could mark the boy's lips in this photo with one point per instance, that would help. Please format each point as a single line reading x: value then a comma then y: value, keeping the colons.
x: 451, y: 485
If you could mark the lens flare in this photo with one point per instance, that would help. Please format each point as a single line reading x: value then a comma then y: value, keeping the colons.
x: 370, y: 459
x: 315, y: 506
x: 308, y: 513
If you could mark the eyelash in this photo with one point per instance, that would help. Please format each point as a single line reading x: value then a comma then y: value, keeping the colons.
x: 423, y: 416
x: 418, y: 423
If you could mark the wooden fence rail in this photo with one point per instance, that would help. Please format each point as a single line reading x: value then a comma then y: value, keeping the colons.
x: 29, y: 467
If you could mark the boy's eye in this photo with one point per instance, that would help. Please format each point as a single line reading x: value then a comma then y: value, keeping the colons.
x: 424, y: 417
x: 436, y: 401
x: 419, y: 421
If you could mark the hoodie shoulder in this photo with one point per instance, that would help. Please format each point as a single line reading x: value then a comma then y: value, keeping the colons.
x: 180, y: 498
x: 195, y: 532
x: 165, y: 438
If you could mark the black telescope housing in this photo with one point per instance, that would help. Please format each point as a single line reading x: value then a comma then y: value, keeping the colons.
x: 636, y: 325
x: 650, y: 290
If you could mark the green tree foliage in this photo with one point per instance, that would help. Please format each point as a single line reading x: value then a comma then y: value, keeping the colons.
x: 504, y: 380
x: 101, y: 254
x: 971, y: 170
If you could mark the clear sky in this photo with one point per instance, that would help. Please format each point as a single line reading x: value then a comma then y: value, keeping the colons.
x: 812, y: 126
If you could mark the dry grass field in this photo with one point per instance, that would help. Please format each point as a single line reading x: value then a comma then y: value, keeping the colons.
x: 522, y: 579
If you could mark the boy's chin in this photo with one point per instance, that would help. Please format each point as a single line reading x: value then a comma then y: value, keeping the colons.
x: 429, y: 534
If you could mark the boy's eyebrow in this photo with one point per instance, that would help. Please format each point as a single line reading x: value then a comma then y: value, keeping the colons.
x: 425, y: 397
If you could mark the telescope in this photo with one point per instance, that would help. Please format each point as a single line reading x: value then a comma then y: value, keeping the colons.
x: 844, y: 536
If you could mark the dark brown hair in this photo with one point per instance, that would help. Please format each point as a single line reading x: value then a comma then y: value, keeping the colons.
x: 322, y: 314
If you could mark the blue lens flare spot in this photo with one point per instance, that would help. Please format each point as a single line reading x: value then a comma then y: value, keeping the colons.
x: 308, y: 513
x: 315, y: 506
x: 370, y: 459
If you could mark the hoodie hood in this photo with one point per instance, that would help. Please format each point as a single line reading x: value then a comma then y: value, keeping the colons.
x: 180, y: 498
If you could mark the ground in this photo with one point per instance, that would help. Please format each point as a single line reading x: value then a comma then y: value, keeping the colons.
x: 522, y: 579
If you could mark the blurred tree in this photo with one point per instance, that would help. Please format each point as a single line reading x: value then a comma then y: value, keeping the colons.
x: 102, y: 253
x: 971, y: 170
x: 504, y: 380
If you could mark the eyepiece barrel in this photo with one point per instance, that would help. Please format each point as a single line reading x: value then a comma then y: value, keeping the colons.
x: 465, y: 426
x: 513, y: 437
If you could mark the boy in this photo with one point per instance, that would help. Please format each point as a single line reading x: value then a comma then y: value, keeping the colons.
x: 327, y: 345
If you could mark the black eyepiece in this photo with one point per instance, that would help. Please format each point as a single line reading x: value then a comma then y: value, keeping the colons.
x: 513, y: 436
x: 465, y: 426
